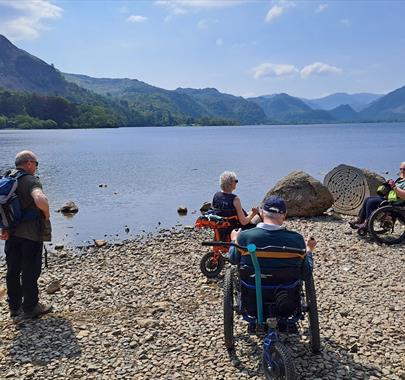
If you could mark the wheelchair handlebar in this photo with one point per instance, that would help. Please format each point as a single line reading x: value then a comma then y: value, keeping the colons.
x: 268, y: 248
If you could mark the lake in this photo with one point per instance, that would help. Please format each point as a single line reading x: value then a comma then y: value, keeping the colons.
x: 149, y: 172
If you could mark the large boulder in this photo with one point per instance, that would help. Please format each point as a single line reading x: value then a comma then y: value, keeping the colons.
x: 350, y: 186
x: 304, y: 195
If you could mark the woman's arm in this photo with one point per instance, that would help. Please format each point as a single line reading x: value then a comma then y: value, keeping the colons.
x: 399, y: 192
x: 239, y: 211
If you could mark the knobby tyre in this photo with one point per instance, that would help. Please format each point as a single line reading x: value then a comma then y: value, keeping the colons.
x: 312, y: 315
x: 386, y: 225
x: 228, y: 310
x: 278, y: 364
x: 211, y: 267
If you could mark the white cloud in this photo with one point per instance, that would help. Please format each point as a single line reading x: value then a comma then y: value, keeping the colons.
x: 319, y: 68
x: 219, y: 42
x: 182, y: 7
x: 27, y: 17
x: 205, y: 23
x: 278, y: 9
x: 273, y: 70
x: 136, y: 19
x: 199, y: 3
x: 274, y: 12
x: 321, y: 8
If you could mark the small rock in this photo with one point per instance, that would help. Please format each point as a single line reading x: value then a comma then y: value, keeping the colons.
x: 205, y: 206
x: 53, y: 287
x: 100, y: 243
x: 69, y: 208
x: 182, y: 210
x: 58, y: 247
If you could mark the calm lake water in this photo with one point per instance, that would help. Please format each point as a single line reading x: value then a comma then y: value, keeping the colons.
x: 149, y: 172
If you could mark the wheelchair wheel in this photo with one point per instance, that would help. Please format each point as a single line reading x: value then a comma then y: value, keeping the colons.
x: 211, y: 264
x: 312, y: 315
x: 387, y: 225
x: 277, y: 363
x: 228, y: 310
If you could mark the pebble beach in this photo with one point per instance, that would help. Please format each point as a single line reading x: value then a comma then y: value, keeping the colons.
x: 142, y: 309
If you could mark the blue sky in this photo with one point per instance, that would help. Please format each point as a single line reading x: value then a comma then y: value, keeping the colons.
x: 248, y: 48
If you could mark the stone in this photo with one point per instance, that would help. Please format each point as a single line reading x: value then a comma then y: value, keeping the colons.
x: 100, y: 243
x: 304, y: 195
x: 145, y: 322
x: 53, y: 287
x: 182, y: 210
x: 69, y: 208
x: 205, y: 207
x: 350, y: 186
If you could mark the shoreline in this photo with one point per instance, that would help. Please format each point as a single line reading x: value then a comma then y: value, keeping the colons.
x: 204, y: 126
x: 142, y: 309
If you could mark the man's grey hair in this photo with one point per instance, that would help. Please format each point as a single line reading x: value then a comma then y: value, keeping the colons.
x: 226, y: 179
x: 24, y: 156
x: 270, y: 214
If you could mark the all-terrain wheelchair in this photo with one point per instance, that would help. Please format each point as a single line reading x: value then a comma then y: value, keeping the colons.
x: 387, y: 223
x: 271, y: 300
x: 212, y: 262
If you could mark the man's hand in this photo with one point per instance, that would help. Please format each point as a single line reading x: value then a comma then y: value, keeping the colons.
x: 255, y: 210
x: 235, y: 233
x: 4, y: 234
x: 391, y: 182
x: 311, y: 244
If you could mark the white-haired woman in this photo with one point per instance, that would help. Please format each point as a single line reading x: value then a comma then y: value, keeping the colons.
x: 225, y: 203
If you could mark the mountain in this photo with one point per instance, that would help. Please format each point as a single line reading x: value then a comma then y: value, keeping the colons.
x: 284, y: 108
x: 195, y: 103
x: 225, y: 105
x: 390, y: 107
x: 344, y: 113
x: 355, y: 101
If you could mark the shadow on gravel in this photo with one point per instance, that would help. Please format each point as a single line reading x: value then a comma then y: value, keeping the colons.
x: 42, y: 340
x: 333, y: 362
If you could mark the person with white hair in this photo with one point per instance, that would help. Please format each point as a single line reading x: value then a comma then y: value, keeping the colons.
x: 227, y: 204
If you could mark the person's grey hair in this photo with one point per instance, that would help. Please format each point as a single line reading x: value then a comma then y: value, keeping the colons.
x: 23, y: 156
x: 270, y: 215
x: 226, y: 179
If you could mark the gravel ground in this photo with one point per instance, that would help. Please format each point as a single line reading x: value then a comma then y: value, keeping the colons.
x: 143, y: 310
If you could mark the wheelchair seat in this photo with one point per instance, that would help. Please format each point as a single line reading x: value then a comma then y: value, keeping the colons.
x: 280, y: 290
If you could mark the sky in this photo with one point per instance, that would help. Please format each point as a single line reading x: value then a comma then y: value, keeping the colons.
x: 243, y: 47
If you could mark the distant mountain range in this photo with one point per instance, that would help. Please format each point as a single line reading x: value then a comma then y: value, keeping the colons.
x: 355, y: 101
x: 34, y: 94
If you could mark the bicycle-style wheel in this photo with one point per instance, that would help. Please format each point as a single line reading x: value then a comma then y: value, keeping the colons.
x: 277, y: 363
x: 228, y: 310
x: 387, y: 225
x: 211, y: 264
x: 310, y: 295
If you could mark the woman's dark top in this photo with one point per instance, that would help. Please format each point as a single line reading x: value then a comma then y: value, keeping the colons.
x: 222, y: 203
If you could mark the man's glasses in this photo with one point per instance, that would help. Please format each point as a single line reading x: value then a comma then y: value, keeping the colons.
x: 36, y: 162
x: 236, y: 181
x: 402, y: 169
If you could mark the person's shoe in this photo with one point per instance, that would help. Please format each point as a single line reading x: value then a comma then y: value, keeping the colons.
x: 15, y: 312
x: 354, y: 223
x: 252, y: 328
x: 38, y: 310
x: 361, y: 225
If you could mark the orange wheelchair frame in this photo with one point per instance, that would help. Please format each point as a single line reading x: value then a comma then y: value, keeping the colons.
x: 212, y: 262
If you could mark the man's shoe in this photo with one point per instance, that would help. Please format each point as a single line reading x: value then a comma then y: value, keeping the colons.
x: 354, y: 223
x: 252, y: 328
x: 38, y: 310
x: 15, y: 312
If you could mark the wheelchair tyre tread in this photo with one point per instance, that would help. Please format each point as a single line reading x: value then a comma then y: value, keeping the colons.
x: 375, y: 217
x: 228, y: 310
x: 313, y: 315
x: 284, y: 364
x: 207, y: 268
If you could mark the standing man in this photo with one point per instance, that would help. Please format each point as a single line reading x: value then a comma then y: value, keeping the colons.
x: 24, y: 243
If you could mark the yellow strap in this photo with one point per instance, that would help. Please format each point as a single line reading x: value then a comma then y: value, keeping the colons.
x: 275, y: 255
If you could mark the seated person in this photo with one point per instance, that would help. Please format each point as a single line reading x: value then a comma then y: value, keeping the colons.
x: 272, y: 232
x: 371, y: 204
x: 227, y: 204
